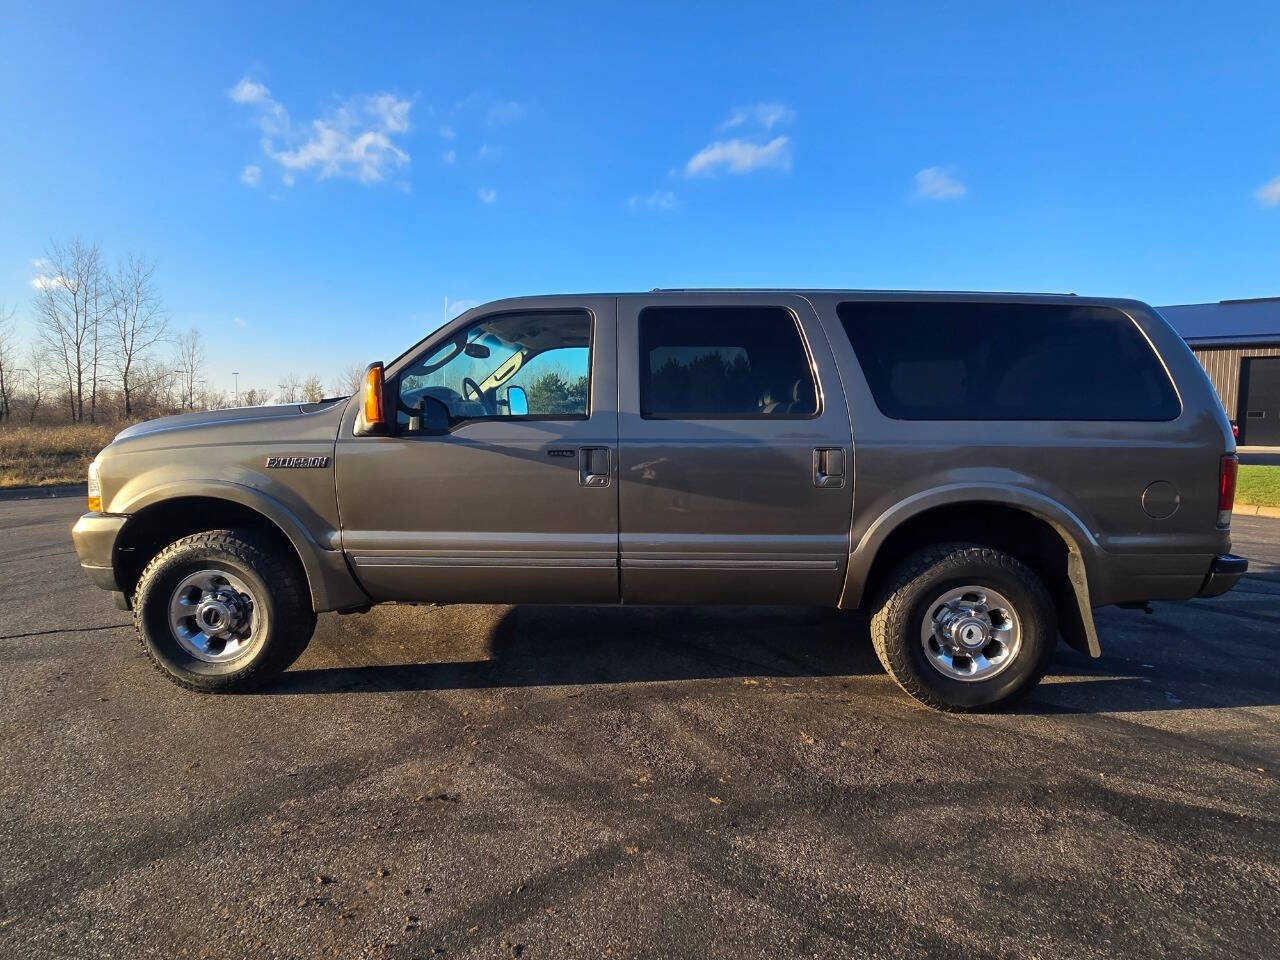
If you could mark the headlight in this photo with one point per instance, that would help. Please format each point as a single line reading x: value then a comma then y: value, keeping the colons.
x: 95, y: 488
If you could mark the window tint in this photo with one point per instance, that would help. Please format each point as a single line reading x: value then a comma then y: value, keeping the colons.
x: 1007, y: 361
x: 545, y: 355
x: 723, y: 362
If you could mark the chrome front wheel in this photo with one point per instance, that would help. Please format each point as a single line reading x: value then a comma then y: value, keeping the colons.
x: 224, y: 610
x: 211, y: 614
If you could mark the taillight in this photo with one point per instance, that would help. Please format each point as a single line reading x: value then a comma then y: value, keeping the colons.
x: 1230, y: 463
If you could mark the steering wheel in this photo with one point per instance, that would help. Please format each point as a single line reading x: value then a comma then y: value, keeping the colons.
x: 470, y: 385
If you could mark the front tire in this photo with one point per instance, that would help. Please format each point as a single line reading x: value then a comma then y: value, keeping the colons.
x: 962, y: 627
x: 223, y: 611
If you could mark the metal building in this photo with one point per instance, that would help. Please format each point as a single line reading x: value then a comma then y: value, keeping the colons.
x: 1238, y: 343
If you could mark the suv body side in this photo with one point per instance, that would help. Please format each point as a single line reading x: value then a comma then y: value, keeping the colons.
x: 1085, y: 478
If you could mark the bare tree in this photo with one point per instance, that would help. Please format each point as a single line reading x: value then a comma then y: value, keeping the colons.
x: 350, y: 380
x: 37, y: 370
x: 139, y: 321
x: 8, y: 347
x: 290, y: 389
x: 68, y: 305
x: 312, y: 389
x: 253, y: 397
x: 190, y: 364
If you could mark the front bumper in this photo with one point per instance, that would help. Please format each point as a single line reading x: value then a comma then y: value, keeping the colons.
x: 1224, y: 572
x: 95, y: 538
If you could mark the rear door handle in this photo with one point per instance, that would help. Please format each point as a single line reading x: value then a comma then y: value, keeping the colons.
x: 828, y: 466
x: 594, y: 466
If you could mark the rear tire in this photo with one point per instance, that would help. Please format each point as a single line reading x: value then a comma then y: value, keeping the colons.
x: 223, y: 611
x: 962, y: 627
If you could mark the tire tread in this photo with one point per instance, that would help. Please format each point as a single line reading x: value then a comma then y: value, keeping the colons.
x: 294, y: 619
x: 893, y: 606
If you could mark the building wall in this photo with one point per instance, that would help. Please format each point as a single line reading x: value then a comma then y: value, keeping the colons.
x: 1223, y: 366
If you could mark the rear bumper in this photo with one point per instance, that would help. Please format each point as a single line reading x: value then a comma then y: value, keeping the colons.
x: 95, y: 538
x: 1224, y: 572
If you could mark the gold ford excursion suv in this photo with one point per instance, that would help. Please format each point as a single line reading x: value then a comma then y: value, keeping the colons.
x: 978, y: 471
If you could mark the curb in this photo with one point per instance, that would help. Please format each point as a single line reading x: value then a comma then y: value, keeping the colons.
x: 41, y: 493
x: 1249, y: 510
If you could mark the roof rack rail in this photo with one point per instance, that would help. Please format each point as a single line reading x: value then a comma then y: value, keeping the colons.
x: 998, y: 293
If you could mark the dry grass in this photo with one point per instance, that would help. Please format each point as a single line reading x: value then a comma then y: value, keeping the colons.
x: 43, y: 455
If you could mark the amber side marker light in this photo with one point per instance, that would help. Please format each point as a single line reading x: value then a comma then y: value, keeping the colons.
x: 94, y: 490
x: 373, y: 412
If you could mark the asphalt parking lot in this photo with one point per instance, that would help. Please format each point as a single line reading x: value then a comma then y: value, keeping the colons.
x: 530, y: 782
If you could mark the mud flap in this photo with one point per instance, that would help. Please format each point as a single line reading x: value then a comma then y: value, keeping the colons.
x: 1075, y: 614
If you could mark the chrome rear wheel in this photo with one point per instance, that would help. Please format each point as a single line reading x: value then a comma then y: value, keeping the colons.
x: 971, y: 633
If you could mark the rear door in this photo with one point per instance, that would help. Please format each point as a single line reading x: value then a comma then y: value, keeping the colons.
x: 518, y: 502
x: 735, y: 459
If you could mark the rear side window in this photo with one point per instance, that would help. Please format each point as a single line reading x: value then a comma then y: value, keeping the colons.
x: 1007, y: 361
x: 705, y: 363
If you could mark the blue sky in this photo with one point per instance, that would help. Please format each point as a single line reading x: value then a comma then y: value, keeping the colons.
x: 314, y: 180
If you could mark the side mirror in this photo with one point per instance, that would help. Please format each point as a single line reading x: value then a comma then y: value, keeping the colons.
x: 372, y: 418
x: 430, y: 417
x: 517, y: 402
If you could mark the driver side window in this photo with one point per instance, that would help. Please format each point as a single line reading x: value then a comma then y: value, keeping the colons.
x: 531, y: 365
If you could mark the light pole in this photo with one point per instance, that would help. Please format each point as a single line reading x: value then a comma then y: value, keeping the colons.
x: 236, y: 374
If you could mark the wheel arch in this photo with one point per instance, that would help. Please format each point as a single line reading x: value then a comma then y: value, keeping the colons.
x: 1034, y: 528
x: 167, y: 513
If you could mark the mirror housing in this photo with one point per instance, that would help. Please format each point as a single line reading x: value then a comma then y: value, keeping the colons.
x: 372, y: 417
x: 477, y: 350
x: 517, y: 401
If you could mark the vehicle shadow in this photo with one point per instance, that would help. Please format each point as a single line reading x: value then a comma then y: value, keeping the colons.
x: 487, y: 646
x: 1198, y: 655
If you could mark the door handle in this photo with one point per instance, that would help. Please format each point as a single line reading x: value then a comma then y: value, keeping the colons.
x: 594, y: 466
x: 828, y: 466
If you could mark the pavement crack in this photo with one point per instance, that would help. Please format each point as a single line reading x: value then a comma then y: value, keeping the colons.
x: 45, y: 633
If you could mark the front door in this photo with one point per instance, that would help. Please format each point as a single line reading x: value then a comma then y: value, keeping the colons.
x: 1259, y: 420
x: 735, y: 481
x: 517, y: 502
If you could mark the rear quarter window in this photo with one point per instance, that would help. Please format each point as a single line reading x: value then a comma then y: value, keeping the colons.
x: 1007, y: 361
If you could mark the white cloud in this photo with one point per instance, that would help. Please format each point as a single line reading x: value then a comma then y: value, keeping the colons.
x: 249, y: 91
x: 450, y: 156
x: 43, y: 278
x: 487, y: 152
x: 740, y: 156
x: 765, y: 114
x: 505, y: 111
x: 356, y: 139
x: 487, y: 194
x: 447, y: 132
x: 251, y: 175
x: 937, y: 183
x: 240, y: 322
x: 658, y: 200
x: 1269, y: 193
x: 456, y: 308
